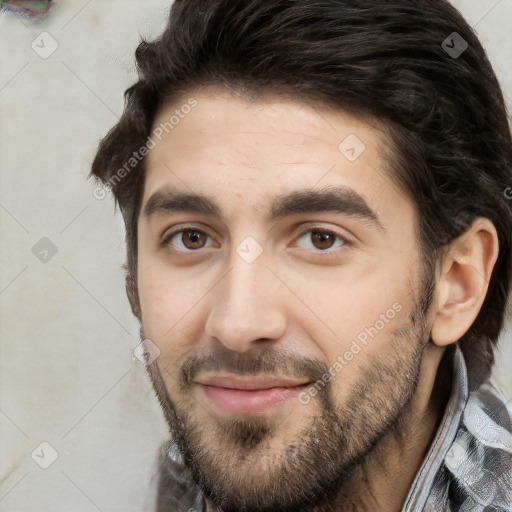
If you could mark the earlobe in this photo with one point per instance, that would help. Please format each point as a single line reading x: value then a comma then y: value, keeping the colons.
x: 466, y: 269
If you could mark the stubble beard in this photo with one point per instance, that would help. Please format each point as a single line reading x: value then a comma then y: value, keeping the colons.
x: 320, y: 467
x: 316, y: 468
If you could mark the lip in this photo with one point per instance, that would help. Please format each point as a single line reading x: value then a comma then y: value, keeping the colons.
x: 252, y: 382
x: 251, y: 394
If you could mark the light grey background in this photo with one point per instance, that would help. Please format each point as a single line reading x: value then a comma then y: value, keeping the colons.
x: 67, y: 372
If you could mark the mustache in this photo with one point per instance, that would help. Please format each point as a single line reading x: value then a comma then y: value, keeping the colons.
x: 256, y: 361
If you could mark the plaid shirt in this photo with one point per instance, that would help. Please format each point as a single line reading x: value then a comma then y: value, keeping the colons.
x: 468, y: 467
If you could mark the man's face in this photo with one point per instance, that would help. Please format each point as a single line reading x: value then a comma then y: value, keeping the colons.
x: 290, y: 338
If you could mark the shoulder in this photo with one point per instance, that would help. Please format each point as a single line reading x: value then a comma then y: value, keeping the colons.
x: 488, y: 417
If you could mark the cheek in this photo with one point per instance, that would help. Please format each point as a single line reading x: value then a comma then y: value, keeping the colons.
x: 162, y: 293
x: 361, y: 339
x: 364, y: 317
x: 347, y: 307
x: 171, y: 308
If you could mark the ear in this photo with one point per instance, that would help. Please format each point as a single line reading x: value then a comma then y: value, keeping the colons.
x: 461, y: 288
x: 132, y: 293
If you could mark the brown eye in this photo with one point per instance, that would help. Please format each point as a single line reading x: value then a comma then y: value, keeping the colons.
x: 321, y: 240
x: 186, y: 240
x: 196, y: 239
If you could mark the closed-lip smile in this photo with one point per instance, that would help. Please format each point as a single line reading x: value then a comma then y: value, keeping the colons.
x: 248, y: 394
x: 251, y: 382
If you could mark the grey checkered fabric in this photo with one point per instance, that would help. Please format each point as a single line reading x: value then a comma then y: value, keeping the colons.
x: 468, y: 467
x: 469, y: 464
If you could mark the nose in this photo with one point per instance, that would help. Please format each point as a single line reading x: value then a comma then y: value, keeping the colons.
x: 247, y: 307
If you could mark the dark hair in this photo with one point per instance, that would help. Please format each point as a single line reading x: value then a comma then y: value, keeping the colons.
x: 443, y: 115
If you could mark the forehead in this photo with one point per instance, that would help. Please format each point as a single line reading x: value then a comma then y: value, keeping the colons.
x: 219, y: 115
x: 232, y: 148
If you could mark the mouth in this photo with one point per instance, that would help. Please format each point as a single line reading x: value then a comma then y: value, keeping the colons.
x: 250, y: 394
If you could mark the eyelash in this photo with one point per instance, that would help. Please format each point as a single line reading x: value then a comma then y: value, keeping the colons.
x: 318, y: 229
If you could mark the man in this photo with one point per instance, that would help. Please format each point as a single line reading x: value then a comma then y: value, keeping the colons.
x: 316, y: 198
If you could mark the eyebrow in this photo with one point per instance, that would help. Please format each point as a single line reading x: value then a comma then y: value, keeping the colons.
x: 344, y: 200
